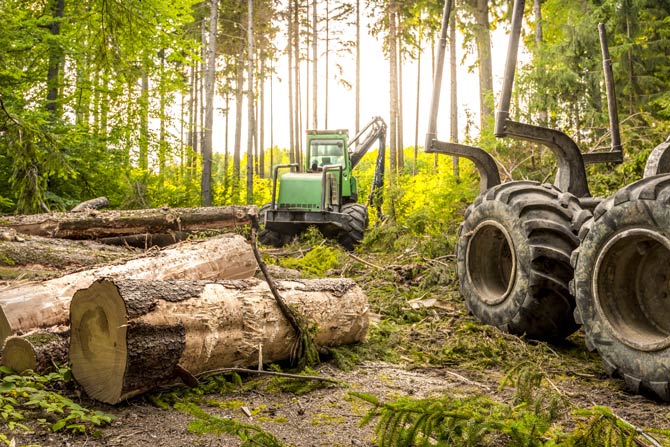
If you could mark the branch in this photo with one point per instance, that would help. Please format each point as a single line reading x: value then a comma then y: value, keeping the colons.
x: 9, y: 115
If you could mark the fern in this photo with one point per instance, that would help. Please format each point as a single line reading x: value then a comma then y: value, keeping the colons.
x: 249, y: 434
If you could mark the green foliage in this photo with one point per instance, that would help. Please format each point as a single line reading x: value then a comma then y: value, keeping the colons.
x: 317, y: 261
x: 535, y: 417
x: 249, y: 434
x: 32, y: 397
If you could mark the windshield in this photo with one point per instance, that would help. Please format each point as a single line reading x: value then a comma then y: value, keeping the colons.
x: 326, y: 153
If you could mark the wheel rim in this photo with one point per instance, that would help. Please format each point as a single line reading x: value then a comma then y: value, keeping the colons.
x: 491, y: 262
x: 631, y: 283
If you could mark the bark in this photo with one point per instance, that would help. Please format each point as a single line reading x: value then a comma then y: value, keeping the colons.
x: 291, y: 112
x: 93, y: 204
x: 113, y: 223
x: 40, y: 351
x: 315, y: 71
x: 453, y: 86
x: 22, y: 251
x: 393, y: 89
x: 237, y: 148
x: 144, y: 121
x: 131, y: 336
x: 57, y: 9
x: 481, y: 30
x: 250, y: 102
x: 358, y: 66
x: 34, y: 305
x: 210, y: 74
x: 147, y: 240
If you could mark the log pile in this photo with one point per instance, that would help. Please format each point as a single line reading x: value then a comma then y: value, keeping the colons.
x: 146, y: 318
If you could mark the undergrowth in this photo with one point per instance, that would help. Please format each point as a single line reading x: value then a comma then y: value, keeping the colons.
x: 31, y: 401
x: 536, y: 416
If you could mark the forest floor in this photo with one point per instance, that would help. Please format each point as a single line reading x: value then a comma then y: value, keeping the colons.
x: 422, y: 345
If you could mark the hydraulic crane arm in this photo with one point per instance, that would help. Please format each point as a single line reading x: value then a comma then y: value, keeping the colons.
x: 377, y: 131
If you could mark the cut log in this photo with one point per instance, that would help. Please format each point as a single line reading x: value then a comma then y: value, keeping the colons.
x: 129, y: 336
x: 45, y: 304
x: 146, y: 241
x: 40, y: 351
x: 59, y: 254
x: 93, y: 204
x: 96, y: 224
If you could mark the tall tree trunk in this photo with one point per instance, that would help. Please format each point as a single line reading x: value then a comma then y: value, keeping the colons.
x: 272, y: 127
x: 210, y: 75
x: 537, y: 12
x: 315, y: 67
x: 144, y: 121
x: 418, y: 96
x: 483, y: 40
x: 237, y: 148
x: 358, y: 66
x: 453, y: 92
x: 192, y: 101
x: 250, y: 102
x: 401, y: 143
x: 393, y: 88
x: 162, y: 143
x: 291, y: 111
x: 296, y: 76
x: 53, y: 106
x: 327, y: 79
x: 226, y: 154
x: 261, y: 151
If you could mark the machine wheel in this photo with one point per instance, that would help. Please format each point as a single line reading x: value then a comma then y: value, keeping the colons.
x: 354, y: 231
x: 622, y: 285
x: 269, y: 237
x: 513, y: 258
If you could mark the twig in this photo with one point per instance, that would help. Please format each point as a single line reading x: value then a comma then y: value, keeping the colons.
x: 363, y: 261
x: 267, y: 373
x: 466, y: 380
x: 9, y: 115
x: 305, y: 349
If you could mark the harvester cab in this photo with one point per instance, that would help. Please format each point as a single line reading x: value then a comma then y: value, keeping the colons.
x: 325, y: 194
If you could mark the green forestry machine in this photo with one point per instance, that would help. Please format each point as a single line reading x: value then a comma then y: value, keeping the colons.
x: 326, y: 194
x: 540, y: 260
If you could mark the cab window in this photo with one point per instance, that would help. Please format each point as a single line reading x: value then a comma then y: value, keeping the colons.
x: 326, y: 153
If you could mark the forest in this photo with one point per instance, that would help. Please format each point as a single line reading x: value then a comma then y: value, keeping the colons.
x: 160, y: 104
x: 117, y: 98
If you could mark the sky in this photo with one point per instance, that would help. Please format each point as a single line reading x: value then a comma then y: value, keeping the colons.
x: 375, y: 93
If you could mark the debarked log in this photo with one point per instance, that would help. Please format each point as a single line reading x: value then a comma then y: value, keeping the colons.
x: 129, y: 336
x: 45, y: 304
x: 97, y: 224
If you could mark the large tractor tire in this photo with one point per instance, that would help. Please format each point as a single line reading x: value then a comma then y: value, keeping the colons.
x: 354, y: 229
x: 622, y: 285
x: 513, y: 258
x: 269, y: 237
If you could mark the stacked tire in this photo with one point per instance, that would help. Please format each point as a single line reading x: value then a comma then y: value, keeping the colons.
x: 622, y: 285
x: 513, y: 258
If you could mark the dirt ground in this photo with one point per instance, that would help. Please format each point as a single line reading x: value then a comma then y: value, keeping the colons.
x: 328, y: 416
x: 431, y: 348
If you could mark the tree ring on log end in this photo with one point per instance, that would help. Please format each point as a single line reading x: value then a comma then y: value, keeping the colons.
x: 18, y: 354
x: 98, y: 350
